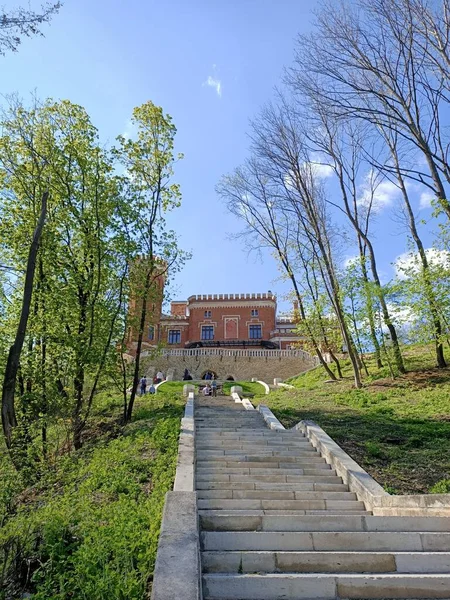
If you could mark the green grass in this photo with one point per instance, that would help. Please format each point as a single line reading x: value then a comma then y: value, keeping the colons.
x: 248, y: 387
x: 89, y: 528
x: 398, y: 430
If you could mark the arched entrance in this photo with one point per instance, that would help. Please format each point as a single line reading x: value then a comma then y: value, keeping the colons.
x: 211, y: 372
x: 229, y: 378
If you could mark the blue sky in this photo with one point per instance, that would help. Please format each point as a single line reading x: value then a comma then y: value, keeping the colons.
x: 211, y: 64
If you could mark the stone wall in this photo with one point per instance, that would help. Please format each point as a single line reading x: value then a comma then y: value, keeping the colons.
x: 265, y: 368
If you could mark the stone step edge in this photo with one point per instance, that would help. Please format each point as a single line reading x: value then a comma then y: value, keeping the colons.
x: 223, y: 586
x: 335, y: 561
x: 367, y: 489
x: 258, y: 521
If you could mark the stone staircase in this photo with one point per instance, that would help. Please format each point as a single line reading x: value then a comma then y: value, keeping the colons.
x: 278, y: 523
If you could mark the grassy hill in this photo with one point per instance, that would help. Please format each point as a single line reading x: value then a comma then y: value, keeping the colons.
x: 88, y: 524
x: 398, y: 430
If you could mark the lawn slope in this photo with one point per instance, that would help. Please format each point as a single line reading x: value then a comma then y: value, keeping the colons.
x: 88, y: 528
x: 398, y: 430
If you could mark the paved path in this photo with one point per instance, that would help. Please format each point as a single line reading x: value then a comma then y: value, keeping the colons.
x: 278, y: 523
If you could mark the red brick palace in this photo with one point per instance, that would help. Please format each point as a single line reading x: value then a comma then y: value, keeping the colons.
x: 222, y: 320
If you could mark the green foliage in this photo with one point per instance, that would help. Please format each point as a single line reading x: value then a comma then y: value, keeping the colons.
x: 441, y: 487
x: 373, y: 449
x: 397, y: 430
x: 106, y: 206
x: 90, y: 528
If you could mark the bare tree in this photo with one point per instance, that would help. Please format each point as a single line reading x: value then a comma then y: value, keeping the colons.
x: 279, y: 143
x: 341, y: 142
x: 253, y: 198
x: 21, y: 22
x: 364, y: 62
x: 392, y: 142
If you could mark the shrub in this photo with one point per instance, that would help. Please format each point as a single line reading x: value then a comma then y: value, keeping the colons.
x: 92, y: 528
x: 441, y: 487
x: 374, y: 450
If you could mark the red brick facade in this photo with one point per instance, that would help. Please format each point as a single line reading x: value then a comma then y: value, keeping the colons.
x: 223, y: 319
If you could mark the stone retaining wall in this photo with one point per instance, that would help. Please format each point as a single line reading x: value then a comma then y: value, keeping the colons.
x: 237, y: 367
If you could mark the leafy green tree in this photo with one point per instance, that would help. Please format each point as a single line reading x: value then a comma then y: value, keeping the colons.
x: 148, y: 162
x: 82, y: 260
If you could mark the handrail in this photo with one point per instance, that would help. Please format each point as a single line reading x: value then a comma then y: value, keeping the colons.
x: 239, y: 352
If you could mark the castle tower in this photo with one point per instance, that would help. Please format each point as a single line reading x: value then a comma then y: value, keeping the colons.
x: 138, y: 272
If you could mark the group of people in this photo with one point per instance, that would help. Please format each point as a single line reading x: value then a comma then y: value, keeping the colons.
x: 151, y: 390
x: 210, y: 389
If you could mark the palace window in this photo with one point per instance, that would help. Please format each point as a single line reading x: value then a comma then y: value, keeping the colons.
x: 254, y: 312
x: 174, y: 336
x: 151, y: 332
x: 207, y: 314
x: 255, y: 332
x: 207, y: 332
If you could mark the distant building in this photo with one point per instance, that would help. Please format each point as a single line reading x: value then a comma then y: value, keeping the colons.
x: 221, y: 320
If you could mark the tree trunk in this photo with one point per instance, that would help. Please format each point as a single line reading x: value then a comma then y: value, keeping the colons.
x: 9, y: 420
x: 369, y: 306
x: 78, y: 382
x: 317, y: 350
x: 384, y: 309
x: 335, y: 359
x: 429, y: 294
x: 137, y: 362
x: 373, y: 265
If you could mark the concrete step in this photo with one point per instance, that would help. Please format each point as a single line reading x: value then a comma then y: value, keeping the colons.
x: 268, y: 459
x: 282, y: 513
x: 299, y: 586
x: 326, y: 562
x: 260, y: 444
x: 247, y: 522
x: 244, y: 427
x: 263, y: 469
x: 262, y: 462
x: 273, y: 495
x: 281, y: 434
x: 256, y: 454
x: 234, y: 417
x: 286, y: 476
x: 224, y: 412
x: 363, y: 541
x: 263, y: 504
x: 284, y: 487
x: 215, y: 422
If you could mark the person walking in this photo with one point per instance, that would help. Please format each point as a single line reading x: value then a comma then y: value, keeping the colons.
x: 159, y: 377
x: 143, y: 384
x: 214, y: 388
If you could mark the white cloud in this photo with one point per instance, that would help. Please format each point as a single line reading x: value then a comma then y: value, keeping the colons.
x: 409, y: 263
x: 215, y: 83
x: 380, y: 195
x: 350, y: 261
x: 403, y: 315
x: 425, y: 199
x: 129, y: 130
x: 320, y: 167
x: 322, y: 171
